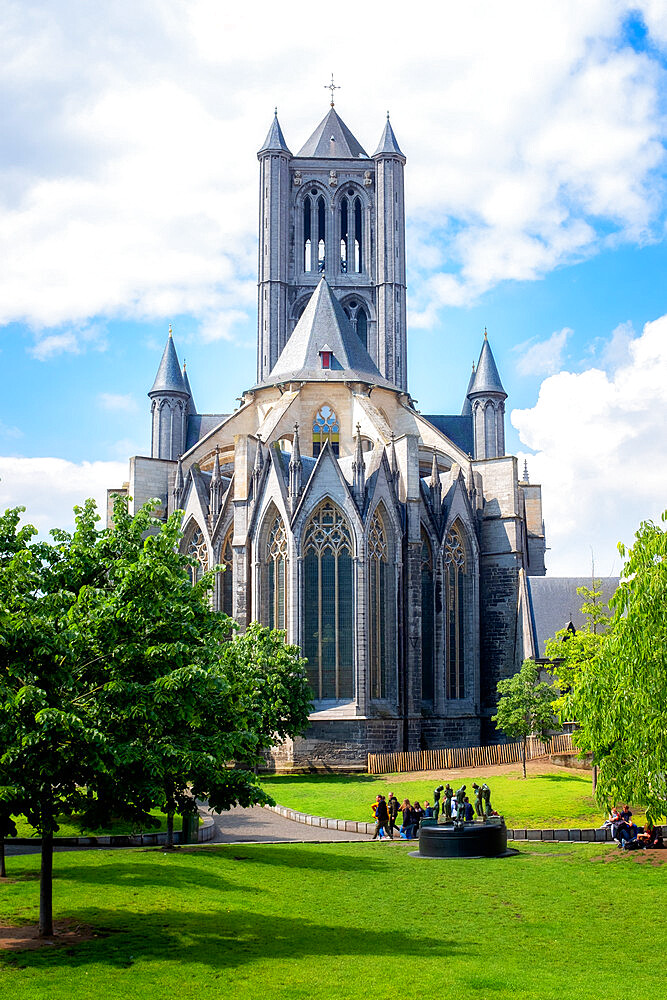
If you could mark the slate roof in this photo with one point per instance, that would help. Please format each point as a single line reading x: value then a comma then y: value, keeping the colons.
x: 457, y: 429
x: 332, y: 139
x: 324, y: 326
x: 466, y: 410
x: 554, y: 602
x: 487, y: 378
x: 275, y: 140
x: 388, y: 143
x: 199, y: 425
x: 169, y: 377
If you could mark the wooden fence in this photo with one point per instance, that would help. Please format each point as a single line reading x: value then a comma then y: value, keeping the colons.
x: 456, y: 758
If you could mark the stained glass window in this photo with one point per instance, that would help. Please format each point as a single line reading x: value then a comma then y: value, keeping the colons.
x: 276, y: 559
x: 427, y: 618
x: 325, y: 428
x: 226, y: 560
x: 377, y: 606
x: 198, y: 551
x: 329, y: 604
x: 455, y: 569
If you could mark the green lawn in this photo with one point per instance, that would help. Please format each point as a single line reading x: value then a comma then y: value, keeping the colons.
x: 545, y: 800
x: 70, y: 827
x: 344, y: 921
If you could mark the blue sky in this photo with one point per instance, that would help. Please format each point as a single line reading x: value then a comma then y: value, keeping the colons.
x: 535, y: 196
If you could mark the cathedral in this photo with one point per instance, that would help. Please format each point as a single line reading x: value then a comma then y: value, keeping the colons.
x: 396, y: 549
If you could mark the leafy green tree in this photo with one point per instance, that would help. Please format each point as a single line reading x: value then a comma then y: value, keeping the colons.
x: 120, y: 688
x: 619, y: 697
x: 569, y: 650
x: 525, y: 706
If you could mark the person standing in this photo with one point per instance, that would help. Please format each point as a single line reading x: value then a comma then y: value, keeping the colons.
x: 392, y: 811
x: 381, y: 818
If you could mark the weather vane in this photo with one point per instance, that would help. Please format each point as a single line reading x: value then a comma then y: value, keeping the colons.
x: 331, y: 86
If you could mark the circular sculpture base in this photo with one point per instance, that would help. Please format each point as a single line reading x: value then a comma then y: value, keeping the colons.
x: 474, y: 840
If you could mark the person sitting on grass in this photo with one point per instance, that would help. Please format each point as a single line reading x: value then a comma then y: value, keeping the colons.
x: 650, y: 837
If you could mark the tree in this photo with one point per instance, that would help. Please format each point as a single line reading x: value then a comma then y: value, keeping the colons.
x: 525, y: 706
x: 119, y: 686
x: 619, y: 696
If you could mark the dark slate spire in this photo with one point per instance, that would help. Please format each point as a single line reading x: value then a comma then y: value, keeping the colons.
x: 275, y: 140
x: 487, y: 379
x: 332, y: 139
x: 466, y: 410
x: 186, y: 382
x: 358, y: 471
x: 388, y: 146
x: 295, y: 470
x: 215, y: 502
x: 169, y: 377
x: 324, y: 327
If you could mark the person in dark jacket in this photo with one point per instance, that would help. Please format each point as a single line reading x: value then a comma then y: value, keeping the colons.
x: 392, y: 809
x: 406, y: 825
x: 381, y: 818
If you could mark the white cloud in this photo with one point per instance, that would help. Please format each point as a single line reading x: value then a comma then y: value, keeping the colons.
x: 73, y: 341
x: 49, y: 488
x: 117, y: 402
x: 601, y: 453
x: 531, y: 136
x: 544, y: 357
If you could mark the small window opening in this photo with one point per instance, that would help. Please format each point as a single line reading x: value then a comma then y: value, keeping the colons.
x: 321, y: 235
x: 357, y: 235
x: 344, y: 235
x: 325, y: 428
x: 307, y: 244
x: 326, y: 359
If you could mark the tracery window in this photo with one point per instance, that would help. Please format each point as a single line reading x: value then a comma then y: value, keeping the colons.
x: 427, y: 618
x: 358, y: 318
x: 325, y: 428
x: 307, y: 236
x: 455, y: 573
x: 350, y: 218
x: 377, y: 606
x: 276, y: 561
x: 226, y: 560
x: 329, y: 604
x: 198, y: 551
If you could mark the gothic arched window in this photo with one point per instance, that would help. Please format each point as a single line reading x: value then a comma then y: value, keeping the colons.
x: 325, y: 428
x: 198, y: 552
x: 321, y: 235
x: 358, y: 235
x: 276, y: 563
x: 329, y: 604
x: 362, y: 327
x: 344, y: 236
x: 307, y: 235
x: 226, y: 560
x: 490, y: 444
x: 377, y: 606
x: 427, y: 618
x: 455, y: 572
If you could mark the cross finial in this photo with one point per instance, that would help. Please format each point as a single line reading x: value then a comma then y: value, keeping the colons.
x: 331, y: 86
x: 170, y: 329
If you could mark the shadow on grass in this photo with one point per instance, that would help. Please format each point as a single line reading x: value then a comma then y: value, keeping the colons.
x: 224, y: 941
x: 327, y: 857
x: 177, y: 875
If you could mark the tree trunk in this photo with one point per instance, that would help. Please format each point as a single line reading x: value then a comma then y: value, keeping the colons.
x: 3, y: 870
x: 595, y: 777
x: 170, y: 828
x: 46, y: 887
x: 523, y: 755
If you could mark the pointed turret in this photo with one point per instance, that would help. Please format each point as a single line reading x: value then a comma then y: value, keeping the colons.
x: 295, y: 471
x: 177, y: 491
x: 257, y: 468
x: 466, y: 410
x: 170, y: 398
x: 332, y: 140
x: 388, y: 146
x: 435, y: 485
x: 358, y: 471
x: 275, y: 140
x: 524, y: 478
x: 487, y: 398
x: 393, y: 463
x: 215, y: 501
x: 186, y: 382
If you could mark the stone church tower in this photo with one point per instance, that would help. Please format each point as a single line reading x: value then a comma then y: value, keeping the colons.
x: 395, y: 548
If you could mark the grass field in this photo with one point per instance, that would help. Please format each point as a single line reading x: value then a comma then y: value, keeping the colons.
x: 343, y: 921
x: 544, y: 800
x: 70, y: 827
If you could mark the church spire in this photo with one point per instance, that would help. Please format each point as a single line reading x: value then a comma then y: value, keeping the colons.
x: 358, y: 471
x: 393, y: 462
x: 295, y: 469
x: 388, y: 145
x: 275, y: 140
x: 487, y: 399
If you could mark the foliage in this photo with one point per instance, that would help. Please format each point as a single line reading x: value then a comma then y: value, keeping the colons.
x: 120, y: 689
x: 295, y: 918
x: 525, y: 706
x: 619, y: 697
x: 570, y: 650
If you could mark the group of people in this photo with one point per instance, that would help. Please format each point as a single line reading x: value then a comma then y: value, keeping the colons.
x: 457, y: 808
x: 628, y: 835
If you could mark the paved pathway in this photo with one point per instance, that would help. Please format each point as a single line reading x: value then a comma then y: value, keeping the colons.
x: 261, y: 825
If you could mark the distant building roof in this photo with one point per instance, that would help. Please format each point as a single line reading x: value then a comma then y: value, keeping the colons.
x: 332, y: 139
x: 554, y: 603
